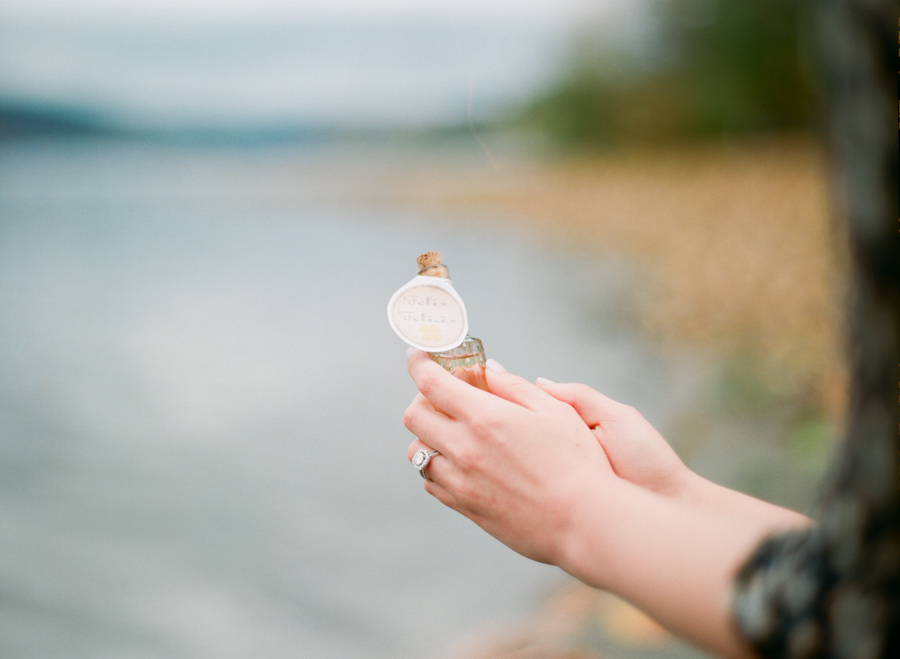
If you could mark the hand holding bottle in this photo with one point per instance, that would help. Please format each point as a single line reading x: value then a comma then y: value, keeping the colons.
x: 516, y: 461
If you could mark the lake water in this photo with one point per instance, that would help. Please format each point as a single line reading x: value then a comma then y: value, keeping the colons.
x: 201, y: 445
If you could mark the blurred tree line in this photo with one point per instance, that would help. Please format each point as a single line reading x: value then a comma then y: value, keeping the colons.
x: 705, y: 67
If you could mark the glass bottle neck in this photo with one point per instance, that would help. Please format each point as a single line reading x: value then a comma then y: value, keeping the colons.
x: 439, y: 270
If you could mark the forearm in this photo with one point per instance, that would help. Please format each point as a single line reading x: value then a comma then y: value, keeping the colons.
x: 676, y: 562
x: 767, y: 517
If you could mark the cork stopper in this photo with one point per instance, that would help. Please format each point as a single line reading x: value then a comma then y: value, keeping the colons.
x: 429, y: 259
x: 430, y: 265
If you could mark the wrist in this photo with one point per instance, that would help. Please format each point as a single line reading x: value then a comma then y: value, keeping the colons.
x: 586, y: 545
x: 700, y: 492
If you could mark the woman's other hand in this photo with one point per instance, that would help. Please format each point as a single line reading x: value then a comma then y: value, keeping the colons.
x: 640, y: 455
x: 636, y: 451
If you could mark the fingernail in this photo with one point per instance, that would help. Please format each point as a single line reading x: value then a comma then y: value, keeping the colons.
x: 409, y: 351
x: 493, y: 365
x: 544, y: 381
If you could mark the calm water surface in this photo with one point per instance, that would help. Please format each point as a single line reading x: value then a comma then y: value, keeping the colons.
x: 201, y: 445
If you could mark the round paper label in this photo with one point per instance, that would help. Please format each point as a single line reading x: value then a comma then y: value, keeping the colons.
x: 428, y: 314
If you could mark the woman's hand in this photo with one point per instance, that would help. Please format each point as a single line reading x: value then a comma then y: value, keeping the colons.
x: 518, y: 462
x: 636, y: 451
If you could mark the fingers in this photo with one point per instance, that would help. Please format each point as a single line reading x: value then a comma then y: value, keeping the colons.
x: 416, y: 445
x: 513, y: 388
x: 440, y: 493
x: 423, y: 420
x: 444, y: 495
x: 593, y: 407
x: 438, y: 471
x: 447, y: 393
x: 435, y: 466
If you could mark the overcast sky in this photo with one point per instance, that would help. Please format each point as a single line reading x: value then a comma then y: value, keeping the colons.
x: 270, y: 61
x: 529, y: 10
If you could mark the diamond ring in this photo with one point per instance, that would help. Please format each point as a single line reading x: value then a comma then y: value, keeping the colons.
x: 421, y: 459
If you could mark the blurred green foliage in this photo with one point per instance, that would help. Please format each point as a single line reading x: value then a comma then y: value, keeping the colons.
x: 710, y: 67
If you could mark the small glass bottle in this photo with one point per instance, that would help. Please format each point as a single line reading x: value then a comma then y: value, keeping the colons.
x: 465, y: 361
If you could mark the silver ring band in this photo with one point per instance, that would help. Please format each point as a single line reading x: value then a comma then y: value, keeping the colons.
x: 421, y: 459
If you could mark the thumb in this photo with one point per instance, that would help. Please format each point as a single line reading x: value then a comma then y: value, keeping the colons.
x: 513, y: 388
x: 593, y: 407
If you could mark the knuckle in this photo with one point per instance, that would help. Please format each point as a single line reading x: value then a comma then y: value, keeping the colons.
x: 427, y: 384
x: 409, y: 417
x: 463, y: 491
x: 483, y: 425
x: 479, y: 427
x: 435, y: 491
x: 455, y: 491
x: 584, y: 391
x: 519, y: 387
x: 628, y: 411
x: 468, y: 460
x: 463, y: 459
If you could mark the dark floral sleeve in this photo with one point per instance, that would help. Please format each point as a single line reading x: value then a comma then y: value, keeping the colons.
x: 832, y: 591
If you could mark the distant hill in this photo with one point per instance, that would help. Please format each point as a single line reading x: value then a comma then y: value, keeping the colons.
x: 21, y: 121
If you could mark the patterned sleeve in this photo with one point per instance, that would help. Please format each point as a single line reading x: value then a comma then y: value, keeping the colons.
x: 832, y: 591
